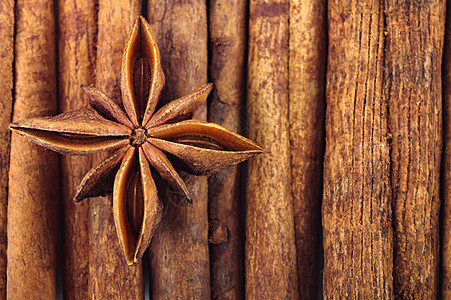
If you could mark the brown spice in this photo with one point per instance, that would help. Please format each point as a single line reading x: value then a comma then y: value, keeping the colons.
x: 414, y: 45
x: 446, y: 165
x: 33, y: 176
x: 358, y: 255
x: 179, y: 259
x: 107, y: 269
x: 306, y: 116
x: 228, y: 30
x: 77, y: 25
x: 6, y: 101
x: 270, y: 258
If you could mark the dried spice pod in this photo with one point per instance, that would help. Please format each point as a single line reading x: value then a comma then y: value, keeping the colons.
x: 356, y: 210
x: 6, y: 102
x: 446, y: 164
x: 179, y: 260
x: 228, y: 30
x: 270, y: 258
x: 307, y: 67
x: 414, y: 93
x: 199, y: 147
x: 33, y: 175
x: 77, y: 25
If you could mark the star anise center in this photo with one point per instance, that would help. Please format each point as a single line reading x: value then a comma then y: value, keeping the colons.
x: 138, y: 137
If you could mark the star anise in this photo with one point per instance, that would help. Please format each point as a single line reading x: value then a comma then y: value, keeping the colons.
x: 140, y: 138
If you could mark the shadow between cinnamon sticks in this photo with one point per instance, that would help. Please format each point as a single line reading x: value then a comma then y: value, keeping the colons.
x: 179, y: 259
x: 228, y: 32
x: 109, y: 275
x: 77, y: 28
x: 33, y: 174
x: 6, y: 102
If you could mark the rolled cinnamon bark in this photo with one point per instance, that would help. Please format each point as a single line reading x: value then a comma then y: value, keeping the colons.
x: 6, y: 103
x: 228, y: 32
x: 356, y: 210
x: 179, y: 259
x: 109, y: 275
x: 413, y: 89
x: 33, y: 175
x: 307, y: 67
x: 270, y: 257
x: 77, y: 29
x: 446, y: 165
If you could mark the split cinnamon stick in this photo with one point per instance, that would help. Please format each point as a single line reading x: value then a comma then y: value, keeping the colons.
x: 356, y: 211
x: 307, y: 64
x: 228, y: 31
x: 6, y: 103
x: 270, y: 259
x: 179, y: 259
x: 33, y: 175
x: 446, y: 165
x: 414, y: 45
x: 77, y: 26
x: 109, y: 275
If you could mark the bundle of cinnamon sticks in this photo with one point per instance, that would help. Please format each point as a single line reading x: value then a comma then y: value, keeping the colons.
x: 345, y: 99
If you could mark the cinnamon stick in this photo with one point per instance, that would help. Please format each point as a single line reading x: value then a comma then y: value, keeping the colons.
x: 414, y: 45
x: 356, y: 211
x: 77, y: 26
x: 228, y: 31
x: 6, y: 103
x: 446, y: 164
x: 33, y: 175
x: 270, y: 259
x: 179, y: 259
x: 307, y: 64
x: 109, y: 275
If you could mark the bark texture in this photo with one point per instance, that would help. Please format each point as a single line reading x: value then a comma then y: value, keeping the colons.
x: 228, y: 31
x: 109, y: 275
x: 33, y: 176
x: 446, y: 157
x: 358, y: 259
x: 414, y: 45
x: 270, y: 260
x: 307, y: 64
x: 77, y: 26
x: 179, y: 259
x: 6, y: 103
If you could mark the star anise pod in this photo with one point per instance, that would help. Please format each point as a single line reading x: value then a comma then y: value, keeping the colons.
x: 140, y: 138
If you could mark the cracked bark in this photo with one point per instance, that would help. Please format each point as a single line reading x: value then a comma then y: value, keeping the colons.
x: 270, y: 259
x: 358, y: 259
x: 228, y: 29
x: 33, y: 183
x: 179, y: 258
x: 414, y: 45
x: 77, y: 26
x: 307, y: 64
x: 109, y: 275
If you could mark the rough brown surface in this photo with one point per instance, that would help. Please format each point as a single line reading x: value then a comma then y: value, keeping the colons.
x: 33, y: 183
x: 446, y: 157
x: 307, y: 62
x: 77, y: 25
x: 179, y: 260
x: 109, y: 275
x: 6, y: 103
x: 228, y: 32
x: 414, y: 45
x: 358, y: 259
x: 270, y: 259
